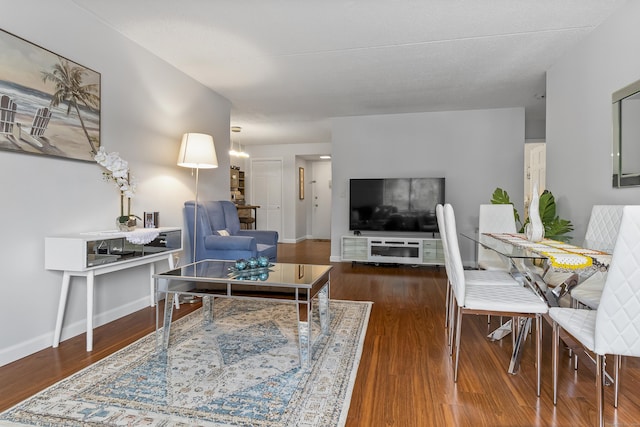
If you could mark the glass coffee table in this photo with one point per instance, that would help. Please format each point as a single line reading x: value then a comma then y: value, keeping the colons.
x: 298, y: 284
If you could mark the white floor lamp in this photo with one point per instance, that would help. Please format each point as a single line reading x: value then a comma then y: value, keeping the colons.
x: 197, y: 151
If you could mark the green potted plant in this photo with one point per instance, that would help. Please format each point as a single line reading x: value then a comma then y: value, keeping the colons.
x: 553, y: 225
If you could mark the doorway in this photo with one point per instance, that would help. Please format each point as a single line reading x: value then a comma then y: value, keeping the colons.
x: 321, y: 200
x: 266, y: 192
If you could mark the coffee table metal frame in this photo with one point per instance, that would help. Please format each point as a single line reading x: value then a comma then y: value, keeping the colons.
x: 298, y: 284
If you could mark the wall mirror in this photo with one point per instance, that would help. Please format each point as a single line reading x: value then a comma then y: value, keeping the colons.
x: 626, y: 136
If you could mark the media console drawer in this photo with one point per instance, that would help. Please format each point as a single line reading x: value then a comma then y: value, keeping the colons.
x: 397, y: 250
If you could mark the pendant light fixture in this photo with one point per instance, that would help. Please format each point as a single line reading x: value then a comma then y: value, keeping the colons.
x: 232, y: 151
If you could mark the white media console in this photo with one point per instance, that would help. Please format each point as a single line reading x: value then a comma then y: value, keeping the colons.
x: 392, y: 249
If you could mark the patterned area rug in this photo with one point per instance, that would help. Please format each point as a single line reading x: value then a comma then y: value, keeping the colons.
x: 242, y: 369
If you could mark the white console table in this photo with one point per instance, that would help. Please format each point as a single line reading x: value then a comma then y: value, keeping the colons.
x: 392, y: 249
x: 95, y: 253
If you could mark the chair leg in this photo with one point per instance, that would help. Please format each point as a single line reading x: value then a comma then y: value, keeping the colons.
x: 452, y: 321
x: 538, y: 350
x: 555, y: 356
x: 446, y: 307
x: 457, y: 341
x: 617, y: 359
x: 573, y: 304
x: 600, y: 376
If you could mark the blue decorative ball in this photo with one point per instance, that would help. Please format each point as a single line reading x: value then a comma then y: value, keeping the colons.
x: 263, y: 276
x: 263, y: 261
x: 252, y: 262
x: 241, y: 264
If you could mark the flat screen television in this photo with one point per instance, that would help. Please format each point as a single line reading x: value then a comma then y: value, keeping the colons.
x: 395, y: 204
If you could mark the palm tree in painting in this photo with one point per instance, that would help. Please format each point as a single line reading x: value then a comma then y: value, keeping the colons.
x: 67, y: 79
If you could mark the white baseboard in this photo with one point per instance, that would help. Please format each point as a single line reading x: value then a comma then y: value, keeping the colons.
x: 296, y: 240
x: 25, y: 348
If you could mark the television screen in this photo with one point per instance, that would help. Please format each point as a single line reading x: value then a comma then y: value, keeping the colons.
x: 395, y: 204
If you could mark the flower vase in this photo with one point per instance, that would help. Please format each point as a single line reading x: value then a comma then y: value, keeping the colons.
x: 534, y: 230
x: 125, y: 222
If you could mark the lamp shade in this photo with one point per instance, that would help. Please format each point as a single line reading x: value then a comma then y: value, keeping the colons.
x: 197, y: 151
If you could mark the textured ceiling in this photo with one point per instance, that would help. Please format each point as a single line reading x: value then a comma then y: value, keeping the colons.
x: 288, y: 66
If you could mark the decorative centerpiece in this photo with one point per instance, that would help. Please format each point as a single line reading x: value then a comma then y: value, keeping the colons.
x: 117, y: 171
x: 241, y: 264
x: 534, y: 230
x: 251, y: 269
x: 252, y: 262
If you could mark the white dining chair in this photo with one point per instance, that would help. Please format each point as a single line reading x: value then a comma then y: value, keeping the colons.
x: 601, y: 234
x: 588, y: 293
x: 480, y: 277
x: 507, y: 300
x: 614, y: 328
x: 494, y: 219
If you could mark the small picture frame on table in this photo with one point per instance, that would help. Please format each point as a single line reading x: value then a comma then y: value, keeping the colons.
x: 151, y: 219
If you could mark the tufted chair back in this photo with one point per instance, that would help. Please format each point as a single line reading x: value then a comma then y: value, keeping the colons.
x: 603, y: 227
x: 223, y: 214
x: 494, y: 219
x: 456, y: 268
x: 443, y: 236
x: 617, y: 328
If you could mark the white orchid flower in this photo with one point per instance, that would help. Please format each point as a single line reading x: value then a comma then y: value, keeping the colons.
x: 117, y: 170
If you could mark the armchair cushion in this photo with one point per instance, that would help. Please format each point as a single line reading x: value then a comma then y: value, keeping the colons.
x: 214, y: 218
x: 229, y: 243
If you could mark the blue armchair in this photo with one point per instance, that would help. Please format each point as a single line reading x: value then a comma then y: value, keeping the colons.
x: 218, y: 235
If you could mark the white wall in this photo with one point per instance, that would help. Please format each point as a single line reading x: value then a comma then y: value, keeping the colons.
x: 293, y: 209
x: 579, y: 122
x: 476, y: 151
x: 146, y: 106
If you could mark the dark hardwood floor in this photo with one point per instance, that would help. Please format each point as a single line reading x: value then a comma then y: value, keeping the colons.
x: 405, y: 374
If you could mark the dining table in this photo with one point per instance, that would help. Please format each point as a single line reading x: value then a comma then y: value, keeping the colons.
x: 530, y: 262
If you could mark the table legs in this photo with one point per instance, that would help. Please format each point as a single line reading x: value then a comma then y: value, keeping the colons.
x: 162, y: 334
x: 523, y: 327
x: 502, y: 331
x: 304, y: 337
x: 207, y: 308
x: 304, y: 310
x: 323, y: 307
x: 62, y: 305
x: 305, y: 330
x: 90, y: 282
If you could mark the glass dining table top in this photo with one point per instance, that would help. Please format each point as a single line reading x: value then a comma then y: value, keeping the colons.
x: 558, y: 255
x: 504, y: 248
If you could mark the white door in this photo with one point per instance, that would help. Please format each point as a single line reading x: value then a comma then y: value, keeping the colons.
x: 321, y: 194
x: 535, y: 170
x: 266, y: 192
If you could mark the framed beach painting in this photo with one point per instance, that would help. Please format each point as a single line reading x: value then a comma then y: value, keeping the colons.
x: 49, y: 105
